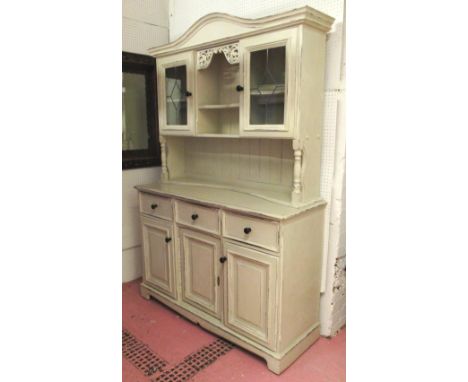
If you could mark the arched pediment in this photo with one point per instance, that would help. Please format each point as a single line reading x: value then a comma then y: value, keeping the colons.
x: 220, y: 27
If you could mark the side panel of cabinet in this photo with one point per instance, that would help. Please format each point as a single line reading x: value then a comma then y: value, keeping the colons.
x: 251, y: 293
x: 201, y: 271
x: 269, y: 74
x: 175, y: 94
x: 158, y: 253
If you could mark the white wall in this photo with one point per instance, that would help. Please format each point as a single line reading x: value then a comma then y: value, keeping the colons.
x: 145, y: 23
x: 184, y: 13
x: 333, y: 301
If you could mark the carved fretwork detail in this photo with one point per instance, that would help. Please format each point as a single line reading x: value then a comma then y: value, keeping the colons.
x: 231, y: 52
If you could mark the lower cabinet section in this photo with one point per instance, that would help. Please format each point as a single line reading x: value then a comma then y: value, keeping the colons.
x: 200, y: 260
x: 251, y: 293
x: 158, y: 254
x: 230, y: 283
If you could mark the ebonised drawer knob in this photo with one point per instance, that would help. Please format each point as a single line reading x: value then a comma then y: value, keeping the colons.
x: 153, y: 206
x: 239, y: 88
x: 188, y: 94
x: 247, y: 230
x: 194, y: 217
x: 222, y: 259
x: 168, y: 239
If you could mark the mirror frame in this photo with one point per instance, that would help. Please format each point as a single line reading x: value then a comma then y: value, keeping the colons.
x: 146, y: 65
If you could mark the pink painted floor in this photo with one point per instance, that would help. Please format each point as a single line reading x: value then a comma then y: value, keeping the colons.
x: 172, y: 338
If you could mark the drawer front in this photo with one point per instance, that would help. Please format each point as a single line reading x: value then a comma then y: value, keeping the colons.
x: 156, y: 206
x: 197, y: 216
x: 263, y: 233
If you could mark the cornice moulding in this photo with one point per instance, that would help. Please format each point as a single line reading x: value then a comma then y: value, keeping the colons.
x: 305, y: 16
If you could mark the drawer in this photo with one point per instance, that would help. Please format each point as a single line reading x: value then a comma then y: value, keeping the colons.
x: 263, y: 233
x: 156, y: 206
x: 194, y: 215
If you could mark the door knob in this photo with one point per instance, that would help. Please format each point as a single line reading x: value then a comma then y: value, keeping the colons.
x: 153, y: 206
x: 247, y: 230
x: 222, y: 259
x: 168, y: 239
x: 194, y: 216
x: 239, y: 88
x: 188, y: 94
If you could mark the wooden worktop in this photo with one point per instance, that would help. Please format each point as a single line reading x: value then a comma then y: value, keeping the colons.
x: 222, y: 197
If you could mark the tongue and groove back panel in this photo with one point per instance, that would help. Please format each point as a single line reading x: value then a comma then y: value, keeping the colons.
x: 253, y: 163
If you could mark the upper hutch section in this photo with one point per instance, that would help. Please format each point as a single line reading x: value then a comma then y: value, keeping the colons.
x: 234, y: 77
x: 229, y: 78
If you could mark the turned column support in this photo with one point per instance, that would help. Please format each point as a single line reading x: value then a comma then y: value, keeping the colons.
x: 164, y: 172
x: 297, y: 172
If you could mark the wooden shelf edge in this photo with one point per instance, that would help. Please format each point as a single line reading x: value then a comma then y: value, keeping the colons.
x: 218, y: 107
x: 217, y: 135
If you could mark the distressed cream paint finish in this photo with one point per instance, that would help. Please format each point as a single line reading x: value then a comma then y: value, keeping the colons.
x: 158, y: 254
x: 200, y: 255
x: 156, y: 206
x: 233, y: 232
x: 196, y: 216
x: 186, y: 59
x: 264, y: 233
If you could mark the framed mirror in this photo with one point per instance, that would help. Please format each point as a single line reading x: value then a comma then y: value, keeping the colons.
x: 140, y: 132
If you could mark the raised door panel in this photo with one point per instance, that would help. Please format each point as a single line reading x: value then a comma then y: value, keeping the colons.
x: 201, y: 271
x: 251, y: 293
x: 158, y: 255
x: 269, y: 75
x: 175, y: 94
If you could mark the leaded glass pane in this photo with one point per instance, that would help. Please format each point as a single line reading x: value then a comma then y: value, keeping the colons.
x: 176, y: 100
x: 267, y: 86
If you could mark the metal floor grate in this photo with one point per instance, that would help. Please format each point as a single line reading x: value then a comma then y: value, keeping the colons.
x: 208, y: 354
x: 140, y: 355
x: 195, y: 362
x: 179, y: 373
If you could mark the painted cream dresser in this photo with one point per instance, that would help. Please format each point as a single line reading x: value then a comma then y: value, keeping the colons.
x: 232, y: 234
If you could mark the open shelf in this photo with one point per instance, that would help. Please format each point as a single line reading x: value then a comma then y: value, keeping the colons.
x: 261, y: 167
x: 218, y: 121
x: 218, y: 99
x: 214, y: 135
x: 224, y: 106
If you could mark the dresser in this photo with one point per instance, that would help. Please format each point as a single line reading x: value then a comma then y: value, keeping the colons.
x: 233, y: 231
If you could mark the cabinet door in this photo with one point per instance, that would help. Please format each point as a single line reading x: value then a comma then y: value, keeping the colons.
x: 251, y: 293
x: 175, y: 99
x: 267, y: 107
x: 201, y: 271
x: 158, y: 254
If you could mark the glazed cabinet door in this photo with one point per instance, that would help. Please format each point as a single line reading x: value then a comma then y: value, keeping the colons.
x: 251, y: 293
x: 175, y: 98
x: 201, y: 271
x: 268, y: 72
x: 158, y: 254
